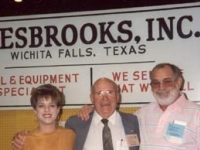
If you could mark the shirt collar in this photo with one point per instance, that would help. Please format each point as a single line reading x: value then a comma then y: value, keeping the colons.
x: 178, y: 105
x: 97, y: 118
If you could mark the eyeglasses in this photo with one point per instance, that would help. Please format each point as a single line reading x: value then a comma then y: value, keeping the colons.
x: 108, y: 93
x: 167, y: 82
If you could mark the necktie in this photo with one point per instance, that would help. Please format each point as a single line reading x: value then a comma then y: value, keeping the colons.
x: 106, y: 134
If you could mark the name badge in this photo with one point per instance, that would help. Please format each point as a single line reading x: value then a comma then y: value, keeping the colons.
x: 175, y: 131
x: 132, y: 140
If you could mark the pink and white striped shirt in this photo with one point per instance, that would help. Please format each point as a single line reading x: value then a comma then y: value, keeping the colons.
x: 153, y: 125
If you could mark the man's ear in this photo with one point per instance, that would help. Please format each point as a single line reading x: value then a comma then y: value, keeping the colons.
x: 91, y: 98
x: 119, y: 98
x: 180, y: 82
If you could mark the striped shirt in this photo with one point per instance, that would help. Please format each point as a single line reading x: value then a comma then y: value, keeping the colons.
x: 154, y: 125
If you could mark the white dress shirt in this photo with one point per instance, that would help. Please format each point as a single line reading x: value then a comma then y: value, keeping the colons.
x: 94, y: 137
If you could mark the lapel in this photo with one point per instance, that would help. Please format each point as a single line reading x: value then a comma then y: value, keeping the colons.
x: 129, y: 126
x: 82, y: 134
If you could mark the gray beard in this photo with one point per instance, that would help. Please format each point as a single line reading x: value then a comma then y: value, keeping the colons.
x: 168, y: 100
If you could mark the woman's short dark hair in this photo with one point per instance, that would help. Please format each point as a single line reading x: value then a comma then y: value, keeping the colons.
x: 46, y: 91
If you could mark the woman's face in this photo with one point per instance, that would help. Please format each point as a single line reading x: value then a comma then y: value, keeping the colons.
x: 46, y: 111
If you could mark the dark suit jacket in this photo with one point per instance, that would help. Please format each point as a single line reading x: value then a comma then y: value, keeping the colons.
x: 81, y: 128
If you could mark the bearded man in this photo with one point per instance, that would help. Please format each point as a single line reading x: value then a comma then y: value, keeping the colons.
x: 171, y: 122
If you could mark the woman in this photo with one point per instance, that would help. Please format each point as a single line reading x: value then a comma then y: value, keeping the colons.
x: 47, y: 101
